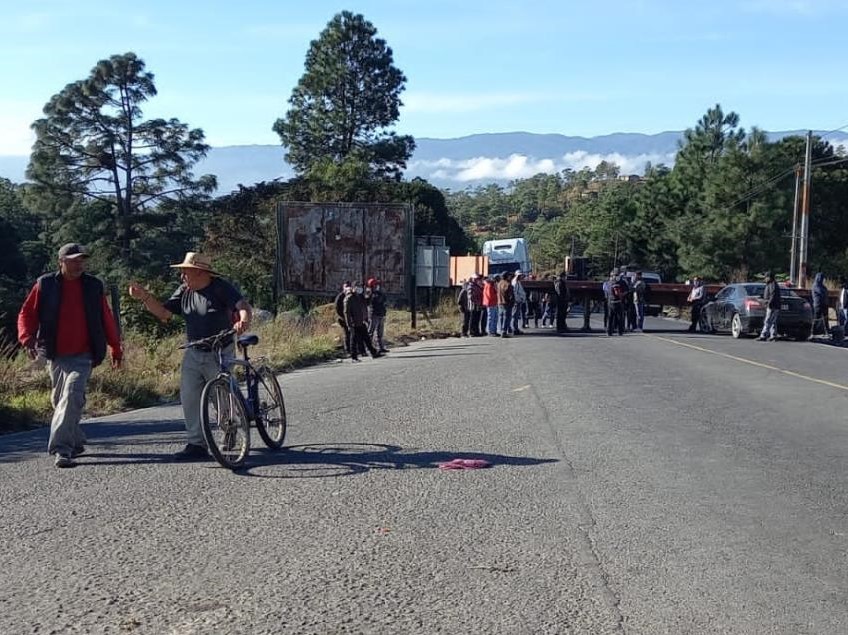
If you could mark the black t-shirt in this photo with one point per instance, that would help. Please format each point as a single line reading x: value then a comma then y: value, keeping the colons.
x: 206, y: 312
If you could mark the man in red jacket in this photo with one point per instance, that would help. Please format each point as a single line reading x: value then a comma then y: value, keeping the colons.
x: 65, y: 319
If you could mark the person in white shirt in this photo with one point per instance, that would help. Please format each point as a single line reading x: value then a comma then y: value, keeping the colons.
x: 842, y: 314
x: 696, y: 300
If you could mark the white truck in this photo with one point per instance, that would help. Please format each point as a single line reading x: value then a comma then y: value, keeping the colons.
x: 507, y: 254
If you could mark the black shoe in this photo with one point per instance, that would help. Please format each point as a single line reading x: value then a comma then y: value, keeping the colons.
x: 376, y: 355
x: 64, y: 460
x: 191, y: 452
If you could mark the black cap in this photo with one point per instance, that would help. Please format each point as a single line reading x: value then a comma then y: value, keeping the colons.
x: 72, y: 250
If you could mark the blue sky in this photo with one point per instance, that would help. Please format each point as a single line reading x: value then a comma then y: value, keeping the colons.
x: 569, y: 67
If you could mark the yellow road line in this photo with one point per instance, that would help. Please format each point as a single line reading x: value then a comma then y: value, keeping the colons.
x: 744, y: 360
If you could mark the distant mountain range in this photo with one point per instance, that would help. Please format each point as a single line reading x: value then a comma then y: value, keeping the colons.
x: 461, y: 162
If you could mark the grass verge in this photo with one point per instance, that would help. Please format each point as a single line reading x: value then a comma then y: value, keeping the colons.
x: 151, y: 370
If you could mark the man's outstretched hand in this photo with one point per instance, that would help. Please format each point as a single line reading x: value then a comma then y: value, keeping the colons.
x: 137, y: 291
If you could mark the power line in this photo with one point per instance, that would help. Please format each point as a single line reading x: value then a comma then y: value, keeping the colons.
x: 822, y: 162
x: 840, y: 128
x: 770, y: 182
x: 762, y: 187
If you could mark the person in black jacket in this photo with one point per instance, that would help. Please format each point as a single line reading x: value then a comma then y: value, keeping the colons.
x: 376, y: 313
x: 355, y: 308
x: 616, y: 297
x: 339, y: 303
x: 771, y: 298
x: 820, y: 305
x: 562, y: 297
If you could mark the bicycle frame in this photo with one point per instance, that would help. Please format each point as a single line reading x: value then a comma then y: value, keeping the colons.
x: 225, y: 366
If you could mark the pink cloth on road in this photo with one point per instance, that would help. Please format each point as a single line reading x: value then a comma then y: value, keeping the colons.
x: 465, y: 464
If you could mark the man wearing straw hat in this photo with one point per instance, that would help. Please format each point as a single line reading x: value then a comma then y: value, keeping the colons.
x: 208, y: 304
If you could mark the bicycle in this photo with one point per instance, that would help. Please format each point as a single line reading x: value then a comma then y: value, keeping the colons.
x: 226, y: 412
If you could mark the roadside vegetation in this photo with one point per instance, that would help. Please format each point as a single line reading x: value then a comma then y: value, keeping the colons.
x: 102, y: 174
x: 724, y: 210
x: 151, y: 371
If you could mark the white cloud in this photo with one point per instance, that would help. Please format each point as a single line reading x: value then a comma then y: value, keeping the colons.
x: 519, y: 166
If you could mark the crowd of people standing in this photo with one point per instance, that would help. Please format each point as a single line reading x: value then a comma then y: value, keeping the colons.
x: 361, y: 312
x: 499, y: 305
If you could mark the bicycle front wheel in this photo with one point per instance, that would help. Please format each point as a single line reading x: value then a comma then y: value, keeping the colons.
x: 271, y: 409
x: 226, y: 427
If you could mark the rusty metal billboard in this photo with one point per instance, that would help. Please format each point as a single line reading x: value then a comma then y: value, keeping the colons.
x: 322, y: 245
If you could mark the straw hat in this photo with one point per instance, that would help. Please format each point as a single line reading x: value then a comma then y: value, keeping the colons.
x: 194, y: 260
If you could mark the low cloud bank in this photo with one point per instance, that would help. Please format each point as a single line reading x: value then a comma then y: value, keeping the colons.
x: 519, y: 166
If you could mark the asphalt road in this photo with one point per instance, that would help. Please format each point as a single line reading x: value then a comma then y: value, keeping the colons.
x: 653, y: 483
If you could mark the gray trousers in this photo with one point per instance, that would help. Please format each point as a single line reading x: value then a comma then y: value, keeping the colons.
x: 198, y: 368
x: 376, y: 330
x: 69, y: 376
x: 770, y: 324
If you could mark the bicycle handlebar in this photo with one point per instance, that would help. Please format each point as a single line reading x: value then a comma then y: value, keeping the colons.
x: 214, y: 342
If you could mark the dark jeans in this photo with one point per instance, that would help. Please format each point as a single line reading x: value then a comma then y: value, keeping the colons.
x: 519, y: 316
x: 361, y: 341
x: 615, y: 318
x: 696, y: 315
x: 549, y: 314
x: 535, y: 309
x: 561, y: 314
x: 630, y: 308
x: 466, y: 322
x: 474, y: 323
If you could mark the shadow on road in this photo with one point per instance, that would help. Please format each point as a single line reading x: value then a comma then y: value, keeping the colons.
x: 101, y: 436
x: 321, y: 461
x: 438, y: 354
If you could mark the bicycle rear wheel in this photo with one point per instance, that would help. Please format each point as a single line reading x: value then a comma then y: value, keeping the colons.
x: 271, y: 409
x: 226, y: 427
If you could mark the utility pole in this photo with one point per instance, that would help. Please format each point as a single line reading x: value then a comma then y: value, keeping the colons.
x: 793, y: 251
x: 805, y: 213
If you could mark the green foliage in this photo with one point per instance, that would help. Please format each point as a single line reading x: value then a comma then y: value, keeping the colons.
x: 724, y: 211
x: 101, y: 172
x: 16, y: 229
x: 345, y: 102
x: 134, y: 317
x: 241, y: 237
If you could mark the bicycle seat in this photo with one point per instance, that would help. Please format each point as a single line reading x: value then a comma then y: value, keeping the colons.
x: 248, y: 340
